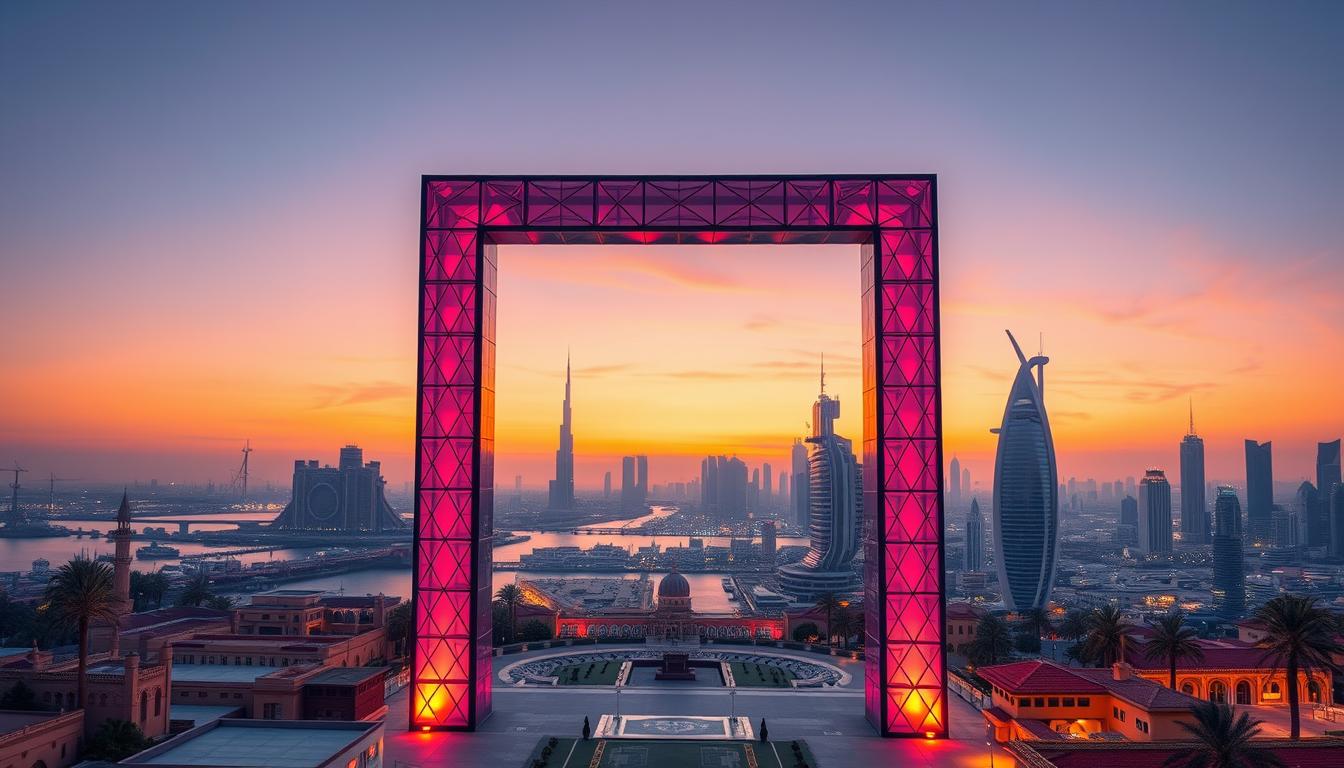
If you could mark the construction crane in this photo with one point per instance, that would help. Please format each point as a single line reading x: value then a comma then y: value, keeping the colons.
x: 51, y: 492
x: 240, y: 477
x: 15, y: 517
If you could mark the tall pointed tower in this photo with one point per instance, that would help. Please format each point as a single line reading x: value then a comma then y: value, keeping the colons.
x: 562, y: 487
x: 121, y: 562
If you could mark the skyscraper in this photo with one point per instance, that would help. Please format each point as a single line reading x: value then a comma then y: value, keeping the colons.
x: 834, y: 511
x: 767, y: 478
x: 975, y: 538
x: 1229, y: 577
x: 768, y: 544
x: 800, y: 489
x: 1154, y: 513
x: 629, y: 486
x: 1259, y: 489
x: 606, y: 485
x: 783, y: 488
x: 1194, y: 511
x: 966, y: 481
x: 641, y: 480
x: 954, y: 485
x: 1309, y: 506
x: 1327, y: 477
x: 1128, y: 532
x: 1026, y: 501
x: 562, y: 487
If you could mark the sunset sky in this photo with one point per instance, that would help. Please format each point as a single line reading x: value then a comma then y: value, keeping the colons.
x: 208, y: 225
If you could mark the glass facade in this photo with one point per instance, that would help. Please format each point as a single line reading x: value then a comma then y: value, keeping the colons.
x: 891, y: 218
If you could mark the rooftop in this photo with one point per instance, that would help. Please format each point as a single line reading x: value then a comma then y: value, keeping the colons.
x: 219, y: 673
x: 346, y: 675
x: 257, y: 743
x: 13, y: 720
x: 1046, y: 677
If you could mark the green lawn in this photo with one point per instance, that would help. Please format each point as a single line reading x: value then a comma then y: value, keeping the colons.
x: 752, y: 675
x: 591, y: 673
x: 637, y: 753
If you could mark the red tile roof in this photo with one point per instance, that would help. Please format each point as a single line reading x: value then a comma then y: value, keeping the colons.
x: 1218, y: 654
x: 1312, y: 753
x: 963, y: 611
x: 1045, y: 677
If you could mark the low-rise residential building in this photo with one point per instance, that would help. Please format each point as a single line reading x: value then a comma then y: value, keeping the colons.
x: 1231, y: 671
x: 1043, y: 700
x: 962, y: 620
x: 48, y: 739
x: 119, y: 688
x: 268, y: 744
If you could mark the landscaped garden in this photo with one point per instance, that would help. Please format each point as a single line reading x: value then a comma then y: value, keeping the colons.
x: 750, y: 674
x: 623, y: 753
x: 589, y: 673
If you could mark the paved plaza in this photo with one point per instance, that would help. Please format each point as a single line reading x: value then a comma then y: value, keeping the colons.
x: 830, y: 720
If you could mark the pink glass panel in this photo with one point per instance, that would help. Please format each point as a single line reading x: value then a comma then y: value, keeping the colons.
x: 808, y: 204
x: 452, y: 204
x: 620, y: 203
x: 502, y: 203
x: 853, y: 202
x: 560, y: 203
x: 750, y: 203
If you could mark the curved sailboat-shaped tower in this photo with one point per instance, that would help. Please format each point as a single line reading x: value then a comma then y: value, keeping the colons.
x: 1026, y: 495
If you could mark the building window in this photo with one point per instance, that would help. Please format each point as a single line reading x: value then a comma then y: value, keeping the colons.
x: 1039, y: 702
x: 1068, y: 701
x: 1217, y: 692
x: 1084, y: 701
x: 1053, y: 701
x: 270, y: 711
x: 1243, y: 692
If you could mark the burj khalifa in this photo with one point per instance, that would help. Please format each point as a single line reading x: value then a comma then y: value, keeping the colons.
x: 562, y: 487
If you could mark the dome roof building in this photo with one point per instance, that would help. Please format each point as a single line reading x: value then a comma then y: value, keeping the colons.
x: 674, y: 593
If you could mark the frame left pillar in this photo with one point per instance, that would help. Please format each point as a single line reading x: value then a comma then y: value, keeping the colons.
x: 451, y: 669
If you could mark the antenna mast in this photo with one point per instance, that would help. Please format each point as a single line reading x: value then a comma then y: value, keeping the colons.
x: 240, y: 477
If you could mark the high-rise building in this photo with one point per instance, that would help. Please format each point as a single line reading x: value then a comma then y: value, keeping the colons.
x: 641, y: 480
x: 732, y: 490
x: 1327, y: 477
x: 768, y: 545
x: 954, y: 486
x: 754, y: 491
x: 1131, y: 487
x: 1259, y: 489
x: 562, y: 487
x: 1026, y: 501
x: 767, y: 487
x: 1128, y: 531
x: 1195, y: 524
x: 1229, y: 577
x: 975, y: 538
x: 1309, y: 506
x: 629, y: 486
x: 798, y: 459
x: 783, y: 488
x: 1154, y: 513
x: 1283, y: 527
x: 965, y: 481
x: 606, y: 485
x: 1337, y: 521
x: 835, y: 509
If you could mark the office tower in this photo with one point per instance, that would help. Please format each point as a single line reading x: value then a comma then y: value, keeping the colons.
x: 606, y: 485
x: 732, y: 490
x: 517, y: 490
x: 767, y: 478
x: 641, y: 480
x: 349, y: 497
x: 1026, y: 504
x: 965, y: 481
x: 1327, y: 477
x: 1337, y: 521
x: 1309, y: 506
x: 1259, y: 489
x: 629, y: 486
x: 1154, y: 513
x: 1131, y: 487
x: 562, y: 488
x: 975, y: 538
x: 834, y: 510
x: 800, y: 489
x: 1128, y: 532
x: 783, y: 488
x: 954, y: 485
x: 1283, y: 525
x: 768, y: 541
x: 1194, y: 512
x: 754, y: 491
x: 1229, y: 577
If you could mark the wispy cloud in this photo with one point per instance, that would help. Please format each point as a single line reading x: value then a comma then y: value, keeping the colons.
x: 342, y: 395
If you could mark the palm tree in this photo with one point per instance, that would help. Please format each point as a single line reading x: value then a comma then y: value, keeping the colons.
x: 993, y: 641
x: 1173, y: 641
x: 197, y: 592
x: 1222, y: 740
x: 155, y: 585
x: 846, y: 624
x: 828, y: 602
x: 1074, y: 625
x: 511, y: 595
x: 1107, y: 630
x: 1299, y: 635
x: 81, y: 593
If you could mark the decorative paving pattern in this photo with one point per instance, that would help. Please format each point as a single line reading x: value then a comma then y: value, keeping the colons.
x: 538, y: 671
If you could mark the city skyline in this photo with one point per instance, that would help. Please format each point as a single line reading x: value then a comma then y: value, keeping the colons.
x: 248, y: 353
